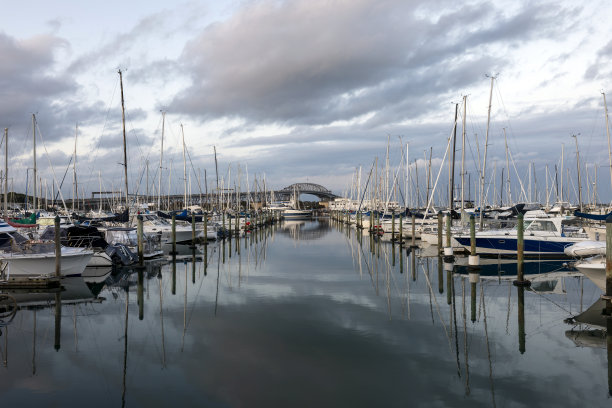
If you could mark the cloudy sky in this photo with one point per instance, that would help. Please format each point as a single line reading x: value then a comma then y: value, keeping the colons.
x: 302, y: 90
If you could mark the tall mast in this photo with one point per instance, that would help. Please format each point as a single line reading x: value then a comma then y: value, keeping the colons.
x: 75, y: 193
x: 562, y: 157
x: 5, y: 172
x: 578, y: 168
x: 161, y: 160
x: 509, y: 193
x: 452, y: 180
x: 463, y: 157
x: 608, y: 134
x: 484, y: 162
x: 34, y: 138
x: 217, y: 173
x: 184, y: 168
x: 125, y: 165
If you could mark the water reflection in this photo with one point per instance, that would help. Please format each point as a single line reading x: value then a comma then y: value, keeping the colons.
x: 320, y: 313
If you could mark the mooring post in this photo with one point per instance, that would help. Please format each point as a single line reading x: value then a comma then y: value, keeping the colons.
x: 173, y: 235
x: 520, y: 249
x: 400, y: 230
x: 193, y: 231
x: 229, y: 226
x: 413, y: 220
x: 448, y: 249
x: 393, y: 226
x: 223, y: 223
x: 58, y: 248
x: 205, y: 219
x: 473, y: 259
x: 440, y: 228
x: 440, y: 274
x: 140, y: 243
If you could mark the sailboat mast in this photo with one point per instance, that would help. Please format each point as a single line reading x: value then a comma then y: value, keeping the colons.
x: 509, y: 193
x: 34, y: 146
x: 184, y: 168
x: 608, y: 134
x: 452, y: 179
x: 578, y: 168
x: 74, y: 174
x: 161, y: 159
x: 217, y: 174
x: 484, y: 162
x: 125, y: 165
x: 463, y: 157
x: 562, y: 157
x: 5, y: 172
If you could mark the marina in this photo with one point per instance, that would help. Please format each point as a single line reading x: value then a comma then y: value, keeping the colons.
x: 306, y: 203
x: 303, y: 313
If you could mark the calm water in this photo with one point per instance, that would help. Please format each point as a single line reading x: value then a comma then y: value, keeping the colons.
x: 305, y: 314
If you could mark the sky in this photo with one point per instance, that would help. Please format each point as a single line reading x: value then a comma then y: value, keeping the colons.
x: 305, y: 91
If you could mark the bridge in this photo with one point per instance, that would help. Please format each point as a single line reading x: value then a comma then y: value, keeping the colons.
x: 306, y: 188
x: 210, y: 199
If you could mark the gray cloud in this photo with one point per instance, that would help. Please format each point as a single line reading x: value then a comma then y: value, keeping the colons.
x: 316, y: 62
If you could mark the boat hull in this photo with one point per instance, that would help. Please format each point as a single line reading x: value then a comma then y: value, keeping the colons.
x: 72, y: 263
x: 507, y: 245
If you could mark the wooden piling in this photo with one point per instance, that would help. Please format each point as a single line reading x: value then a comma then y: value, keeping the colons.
x: 473, y: 259
x: 401, y: 242
x: 193, y: 231
x: 140, y: 243
x: 440, y: 226
x: 520, y: 249
x: 58, y: 248
x: 173, y: 235
x: 413, y: 219
x: 205, y: 219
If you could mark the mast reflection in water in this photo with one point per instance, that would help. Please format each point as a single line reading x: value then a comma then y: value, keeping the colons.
x: 306, y: 313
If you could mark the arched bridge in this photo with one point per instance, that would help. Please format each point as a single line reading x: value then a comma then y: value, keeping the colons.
x: 305, y: 188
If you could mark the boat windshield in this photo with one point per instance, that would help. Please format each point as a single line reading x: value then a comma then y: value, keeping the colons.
x: 540, y: 225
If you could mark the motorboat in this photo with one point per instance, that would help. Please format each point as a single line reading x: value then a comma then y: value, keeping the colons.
x: 20, y: 256
x: 129, y: 238
x: 594, y: 268
x: 543, y: 236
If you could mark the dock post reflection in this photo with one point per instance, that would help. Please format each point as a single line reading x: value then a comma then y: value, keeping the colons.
x: 193, y: 265
x: 521, y: 318
x: 206, y: 258
x: 413, y: 264
x: 173, y: 235
x: 440, y: 226
x: 140, y: 293
x: 449, y: 281
x: 474, y: 278
x: 440, y: 275
x: 58, y: 320
x: 140, y: 239
x: 174, y: 275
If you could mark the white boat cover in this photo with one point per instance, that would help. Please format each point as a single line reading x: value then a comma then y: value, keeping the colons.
x: 586, y: 248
